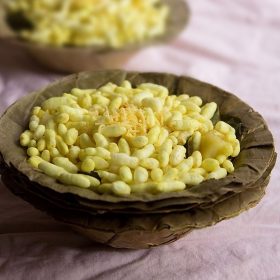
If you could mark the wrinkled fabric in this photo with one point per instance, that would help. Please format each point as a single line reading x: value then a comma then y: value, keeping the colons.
x: 232, y: 44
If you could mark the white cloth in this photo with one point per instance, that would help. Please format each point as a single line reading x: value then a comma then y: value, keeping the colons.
x: 232, y: 44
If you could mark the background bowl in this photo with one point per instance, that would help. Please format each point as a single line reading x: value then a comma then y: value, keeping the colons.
x: 76, y: 59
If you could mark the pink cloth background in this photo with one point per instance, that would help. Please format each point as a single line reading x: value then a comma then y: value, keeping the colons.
x: 233, y: 44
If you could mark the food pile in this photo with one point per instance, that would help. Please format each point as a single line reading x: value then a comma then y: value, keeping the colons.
x: 122, y: 140
x: 90, y: 22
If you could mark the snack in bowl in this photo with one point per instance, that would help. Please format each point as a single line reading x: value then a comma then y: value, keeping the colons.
x: 89, y: 22
x: 74, y: 36
x: 133, y: 138
x: 68, y: 163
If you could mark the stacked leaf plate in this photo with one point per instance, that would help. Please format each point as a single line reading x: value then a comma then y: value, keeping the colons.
x: 142, y: 221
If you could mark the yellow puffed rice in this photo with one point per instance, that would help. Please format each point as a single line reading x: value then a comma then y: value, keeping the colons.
x: 117, y: 139
x: 91, y: 23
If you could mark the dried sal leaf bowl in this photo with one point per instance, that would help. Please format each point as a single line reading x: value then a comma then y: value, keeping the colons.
x: 74, y: 36
x: 135, y: 160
